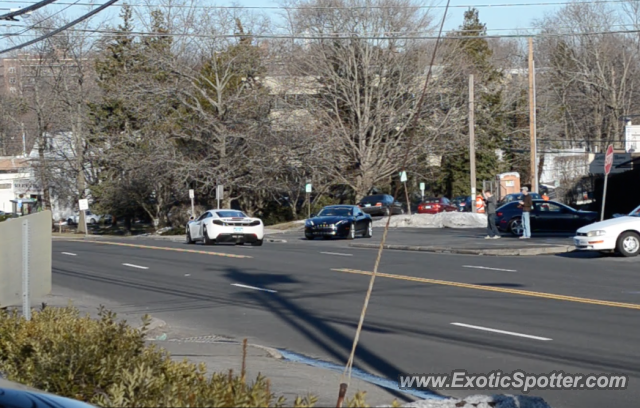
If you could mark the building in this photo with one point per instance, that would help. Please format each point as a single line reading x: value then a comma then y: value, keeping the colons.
x: 17, y: 182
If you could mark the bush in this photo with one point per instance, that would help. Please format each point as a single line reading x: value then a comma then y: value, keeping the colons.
x: 107, y: 363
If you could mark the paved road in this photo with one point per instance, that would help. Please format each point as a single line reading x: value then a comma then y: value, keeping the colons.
x: 312, y: 295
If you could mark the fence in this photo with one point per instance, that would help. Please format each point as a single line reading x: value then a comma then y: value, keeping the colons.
x: 25, y: 260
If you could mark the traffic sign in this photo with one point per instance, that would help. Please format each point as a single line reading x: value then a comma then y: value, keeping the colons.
x: 192, y: 194
x: 422, y: 186
x: 608, y: 160
x: 307, y: 188
x: 83, y: 204
x: 403, y: 176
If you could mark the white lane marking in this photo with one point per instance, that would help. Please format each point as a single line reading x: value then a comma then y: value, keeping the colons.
x: 69, y: 253
x: 135, y: 266
x: 252, y: 287
x: 336, y: 253
x: 491, y: 269
x: 501, y: 331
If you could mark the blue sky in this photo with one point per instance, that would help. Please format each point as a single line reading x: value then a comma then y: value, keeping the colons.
x: 499, y: 19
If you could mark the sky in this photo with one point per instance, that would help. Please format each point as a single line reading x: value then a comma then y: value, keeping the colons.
x: 499, y: 19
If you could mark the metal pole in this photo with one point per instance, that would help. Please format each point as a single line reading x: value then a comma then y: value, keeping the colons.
x: 26, y: 301
x: 604, y: 197
x: 218, y: 196
x: 86, y: 230
x: 309, y: 205
x: 24, y: 141
x: 472, y: 144
x: 532, y: 112
x: 406, y: 194
x: 193, y: 208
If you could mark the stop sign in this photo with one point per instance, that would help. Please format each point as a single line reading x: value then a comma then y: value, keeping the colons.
x: 608, y: 160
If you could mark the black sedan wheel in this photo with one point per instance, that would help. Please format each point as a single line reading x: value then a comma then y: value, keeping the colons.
x: 368, y: 232
x: 516, y: 227
x: 309, y: 237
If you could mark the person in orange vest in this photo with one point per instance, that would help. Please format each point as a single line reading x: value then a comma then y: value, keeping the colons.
x: 479, y: 204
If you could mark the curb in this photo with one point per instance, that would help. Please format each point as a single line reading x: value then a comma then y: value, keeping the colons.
x: 557, y: 249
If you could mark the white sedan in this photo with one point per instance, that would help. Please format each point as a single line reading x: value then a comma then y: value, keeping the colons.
x: 215, y: 226
x: 620, y: 234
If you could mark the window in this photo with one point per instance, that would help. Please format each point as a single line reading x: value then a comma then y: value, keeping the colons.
x: 12, y: 70
x: 203, y: 216
x: 13, y: 90
x: 231, y: 214
x: 12, y: 80
x: 549, y: 207
x: 336, y: 212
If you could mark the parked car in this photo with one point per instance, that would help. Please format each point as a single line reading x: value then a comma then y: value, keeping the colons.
x: 343, y: 221
x: 380, y: 204
x: 436, y: 205
x: 91, y: 218
x: 215, y: 226
x: 517, y: 197
x: 621, y: 234
x: 546, y: 216
x: 460, y: 202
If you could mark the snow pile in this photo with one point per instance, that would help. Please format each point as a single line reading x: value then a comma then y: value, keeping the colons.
x: 440, y: 220
x: 482, y: 401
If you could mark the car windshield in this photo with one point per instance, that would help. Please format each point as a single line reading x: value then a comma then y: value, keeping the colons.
x: 374, y: 199
x: 231, y: 214
x: 336, y: 212
x: 635, y: 213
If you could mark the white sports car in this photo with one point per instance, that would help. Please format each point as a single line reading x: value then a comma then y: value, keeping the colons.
x: 620, y: 234
x: 216, y: 226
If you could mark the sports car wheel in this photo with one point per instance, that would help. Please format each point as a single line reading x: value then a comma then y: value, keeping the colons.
x: 257, y: 243
x: 189, y: 240
x: 368, y: 233
x: 629, y: 244
x: 516, y: 227
x: 206, y: 240
x: 352, y: 232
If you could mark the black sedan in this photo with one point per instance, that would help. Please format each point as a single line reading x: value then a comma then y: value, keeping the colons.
x: 380, y: 204
x: 343, y: 221
x: 546, y: 216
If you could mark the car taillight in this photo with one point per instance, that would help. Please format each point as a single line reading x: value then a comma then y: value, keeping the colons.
x: 378, y: 204
x: 218, y: 222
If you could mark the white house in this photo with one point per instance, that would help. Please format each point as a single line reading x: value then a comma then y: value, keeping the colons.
x: 16, y: 181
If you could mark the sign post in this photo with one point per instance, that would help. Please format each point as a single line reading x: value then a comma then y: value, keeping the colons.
x: 608, y: 163
x: 84, y: 206
x: 192, y: 195
x: 219, y: 192
x: 307, y: 189
x: 422, y: 191
x: 403, y: 179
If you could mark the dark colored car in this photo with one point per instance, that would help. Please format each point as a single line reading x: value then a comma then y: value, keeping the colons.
x: 546, y: 216
x: 342, y: 221
x: 380, y: 204
x: 459, y: 202
x: 517, y: 197
x: 436, y: 205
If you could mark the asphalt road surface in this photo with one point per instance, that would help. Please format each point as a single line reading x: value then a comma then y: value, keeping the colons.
x: 429, y: 313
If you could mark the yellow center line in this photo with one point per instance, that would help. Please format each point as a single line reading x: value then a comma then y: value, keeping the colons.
x: 192, y: 251
x: 494, y: 289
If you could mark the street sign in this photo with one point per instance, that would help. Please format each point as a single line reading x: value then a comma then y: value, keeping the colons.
x: 422, y: 186
x: 307, y: 187
x: 192, y: 194
x: 219, y: 191
x: 608, y: 160
x: 403, y: 176
x: 83, y: 204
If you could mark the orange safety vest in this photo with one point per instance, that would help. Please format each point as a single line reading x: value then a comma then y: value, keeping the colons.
x: 479, y: 205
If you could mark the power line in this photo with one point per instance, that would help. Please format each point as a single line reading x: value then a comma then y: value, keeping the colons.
x: 35, y: 24
x: 66, y: 26
x: 501, y: 5
x: 11, y: 16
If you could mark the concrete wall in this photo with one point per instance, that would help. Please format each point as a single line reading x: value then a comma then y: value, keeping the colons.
x: 11, y: 254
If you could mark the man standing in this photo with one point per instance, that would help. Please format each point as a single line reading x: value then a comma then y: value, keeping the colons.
x: 527, y: 205
x: 490, y: 206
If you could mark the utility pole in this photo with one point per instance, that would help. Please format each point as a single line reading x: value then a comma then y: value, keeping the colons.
x: 532, y: 119
x: 472, y: 144
x: 24, y: 140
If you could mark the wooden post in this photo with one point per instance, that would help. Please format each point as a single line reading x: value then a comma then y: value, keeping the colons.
x: 472, y: 144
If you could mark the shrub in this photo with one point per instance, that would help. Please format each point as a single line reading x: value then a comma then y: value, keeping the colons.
x: 107, y: 363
